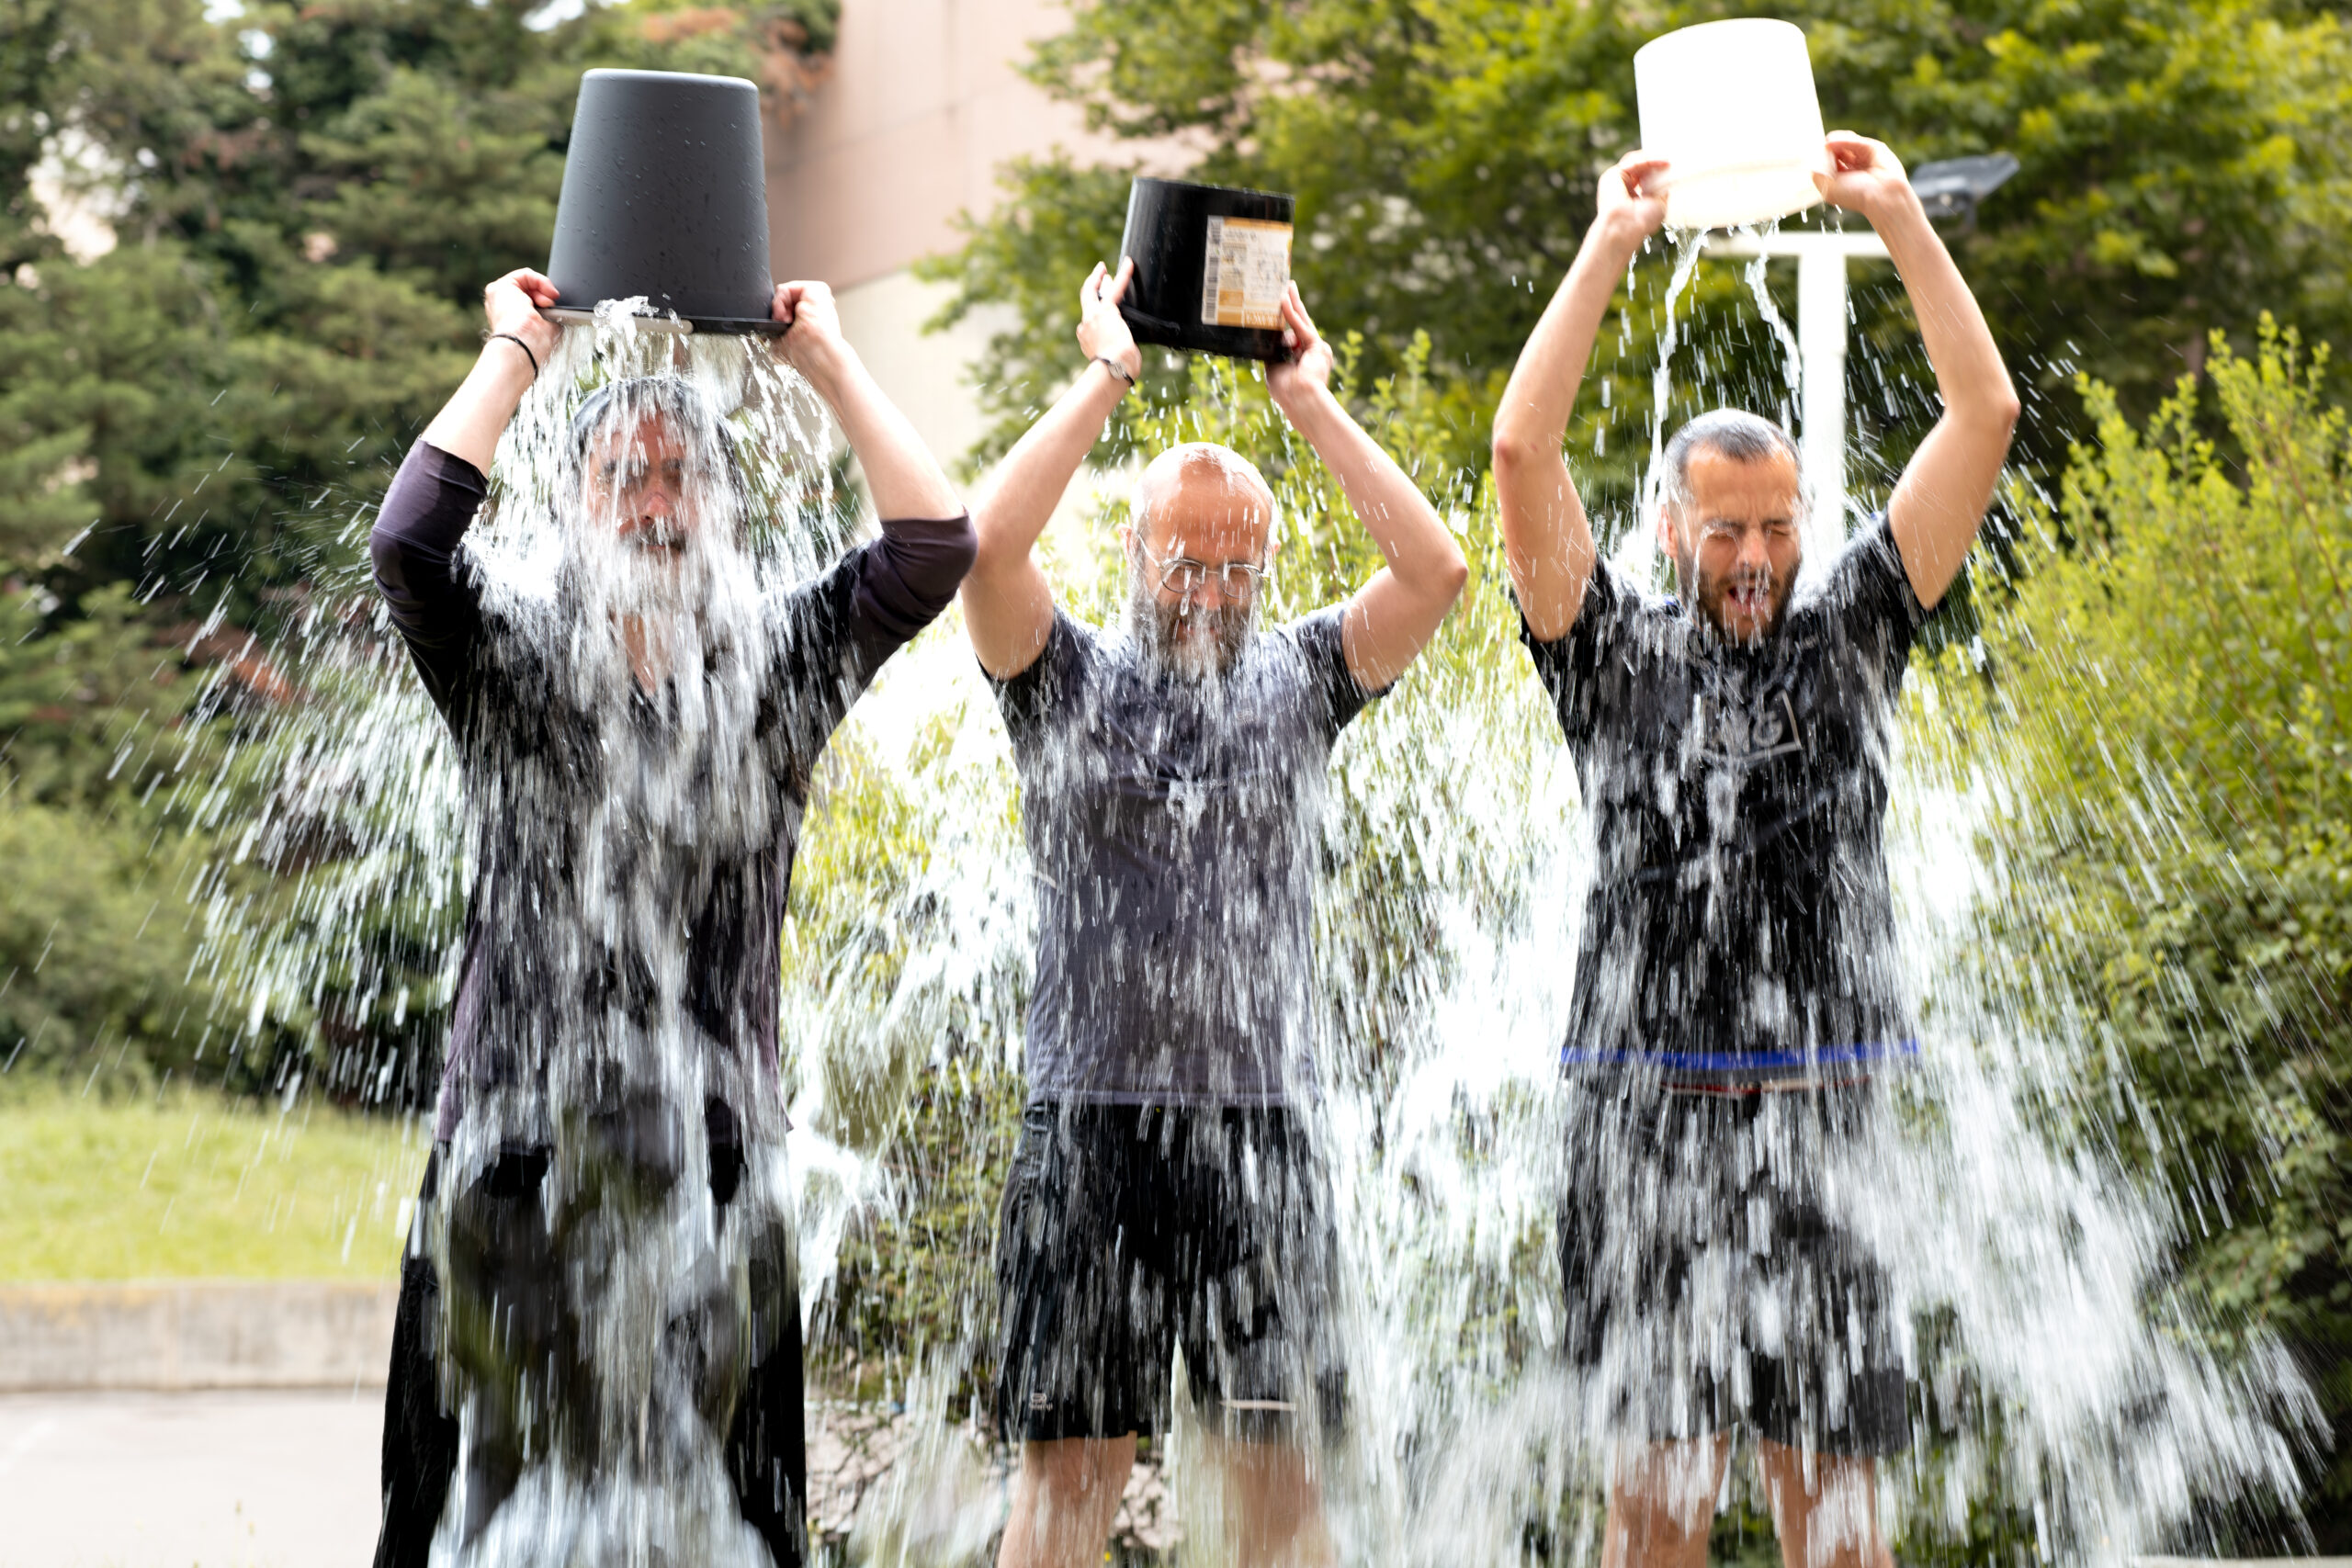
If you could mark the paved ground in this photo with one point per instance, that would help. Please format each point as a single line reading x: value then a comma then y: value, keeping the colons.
x: 276, y: 1480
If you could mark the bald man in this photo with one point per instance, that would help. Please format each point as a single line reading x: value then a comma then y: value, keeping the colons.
x: 1166, y: 1193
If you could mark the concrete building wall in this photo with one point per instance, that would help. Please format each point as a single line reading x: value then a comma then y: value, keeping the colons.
x: 923, y: 102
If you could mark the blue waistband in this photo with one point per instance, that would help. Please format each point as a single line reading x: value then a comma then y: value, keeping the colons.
x: 1743, y: 1061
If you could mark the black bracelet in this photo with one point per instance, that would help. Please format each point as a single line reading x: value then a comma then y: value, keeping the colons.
x: 1118, y: 371
x: 518, y: 343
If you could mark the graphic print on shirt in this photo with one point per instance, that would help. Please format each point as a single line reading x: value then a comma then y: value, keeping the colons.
x: 1741, y: 731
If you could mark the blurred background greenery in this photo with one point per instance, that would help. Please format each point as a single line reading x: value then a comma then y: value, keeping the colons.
x: 194, y: 425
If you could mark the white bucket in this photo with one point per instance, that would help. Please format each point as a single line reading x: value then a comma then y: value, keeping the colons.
x: 1730, y: 106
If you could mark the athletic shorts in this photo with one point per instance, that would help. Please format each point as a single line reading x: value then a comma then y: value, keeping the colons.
x: 1129, y: 1233
x: 1709, y: 1290
x: 764, y: 1450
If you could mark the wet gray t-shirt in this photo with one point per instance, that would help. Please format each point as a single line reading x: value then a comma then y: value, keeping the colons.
x: 1172, y: 827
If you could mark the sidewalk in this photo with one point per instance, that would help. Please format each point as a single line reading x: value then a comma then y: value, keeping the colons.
x: 219, y: 1479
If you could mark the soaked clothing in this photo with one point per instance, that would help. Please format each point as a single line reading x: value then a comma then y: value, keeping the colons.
x: 613, y: 902
x: 522, y: 727
x: 1710, y: 1286
x: 1173, y: 825
x: 1128, y: 1232
x: 1740, y: 930
x: 765, y: 1440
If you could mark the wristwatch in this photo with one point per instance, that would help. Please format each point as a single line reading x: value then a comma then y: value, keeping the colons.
x: 1118, y: 371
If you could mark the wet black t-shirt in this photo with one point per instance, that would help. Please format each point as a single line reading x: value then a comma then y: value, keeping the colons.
x: 536, y: 765
x: 1172, y: 826
x: 1739, y: 929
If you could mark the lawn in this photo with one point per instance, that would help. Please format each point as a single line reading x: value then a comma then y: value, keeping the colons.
x: 186, y: 1185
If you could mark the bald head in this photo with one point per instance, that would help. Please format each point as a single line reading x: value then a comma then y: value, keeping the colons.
x: 1205, y: 501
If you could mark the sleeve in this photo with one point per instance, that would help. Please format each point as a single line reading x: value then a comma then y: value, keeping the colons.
x: 413, y: 548
x: 1871, y: 603
x: 1026, y: 697
x: 837, y: 631
x: 1571, y: 667
x: 1321, y: 640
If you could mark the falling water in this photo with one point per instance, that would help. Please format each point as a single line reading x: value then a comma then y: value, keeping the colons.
x: 2049, y: 1364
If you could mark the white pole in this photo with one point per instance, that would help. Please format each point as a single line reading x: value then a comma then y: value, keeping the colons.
x: 1821, y: 345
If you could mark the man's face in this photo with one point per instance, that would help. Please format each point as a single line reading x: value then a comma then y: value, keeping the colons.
x: 641, y: 483
x: 1733, y: 535
x: 1207, y: 520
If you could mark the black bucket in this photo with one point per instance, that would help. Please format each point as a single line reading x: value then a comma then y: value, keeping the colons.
x: 665, y: 194
x: 1211, y: 265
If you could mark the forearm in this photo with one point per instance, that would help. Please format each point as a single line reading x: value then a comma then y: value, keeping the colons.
x: 1939, y: 504
x: 1008, y: 604
x: 902, y: 475
x: 1540, y: 396
x: 1392, y: 508
x: 477, y: 414
x: 1013, y: 505
x: 1392, y: 617
x: 1970, y: 377
x: 1547, y: 539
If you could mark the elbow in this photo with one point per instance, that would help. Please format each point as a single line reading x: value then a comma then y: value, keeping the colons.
x: 385, y: 556
x: 995, y: 551
x: 1998, y: 410
x: 1514, y: 450
x: 1454, y: 573
x: 962, y: 549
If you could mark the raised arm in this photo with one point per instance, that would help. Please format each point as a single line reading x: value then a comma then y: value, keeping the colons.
x: 477, y: 414
x: 902, y: 475
x: 1008, y: 604
x: 1940, y: 503
x: 1547, y: 540
x: 1392, y: 617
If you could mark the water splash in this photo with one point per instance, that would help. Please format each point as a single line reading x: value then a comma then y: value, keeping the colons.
x: 2050, y: 1365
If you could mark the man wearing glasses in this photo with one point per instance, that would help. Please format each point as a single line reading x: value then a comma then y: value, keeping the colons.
x: 1166, y: 1193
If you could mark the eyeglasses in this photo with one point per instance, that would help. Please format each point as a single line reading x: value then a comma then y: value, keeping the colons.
x: 1237, y: 580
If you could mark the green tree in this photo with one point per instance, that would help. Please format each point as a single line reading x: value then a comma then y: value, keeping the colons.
x: 2169, y: 687
x: 2183, y: 165
x: 306, y: 200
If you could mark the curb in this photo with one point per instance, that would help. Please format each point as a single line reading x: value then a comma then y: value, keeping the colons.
x: 179, y: 1335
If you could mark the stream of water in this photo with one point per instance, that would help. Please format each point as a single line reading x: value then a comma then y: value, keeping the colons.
x: 2049, y: 1363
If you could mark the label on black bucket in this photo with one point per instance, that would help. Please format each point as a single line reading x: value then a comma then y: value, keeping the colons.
x: 1247, y: 270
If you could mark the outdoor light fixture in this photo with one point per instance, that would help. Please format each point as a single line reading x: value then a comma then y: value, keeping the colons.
x: 1953, y: 187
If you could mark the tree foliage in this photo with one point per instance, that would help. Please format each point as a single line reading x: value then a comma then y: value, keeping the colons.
x: 2169, y: 684
x: 2183, y: 165
x: 303, y: 201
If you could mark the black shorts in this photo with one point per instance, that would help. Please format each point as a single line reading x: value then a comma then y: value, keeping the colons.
x: 765, y: 1445
x: 1131, y: 1231
x: 1709, y: 1290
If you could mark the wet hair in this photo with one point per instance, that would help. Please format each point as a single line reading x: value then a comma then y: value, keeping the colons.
x: 642, y: 397
x: 1735, y: 434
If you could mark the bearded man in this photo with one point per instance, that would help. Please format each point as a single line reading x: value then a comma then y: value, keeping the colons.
x: 598, y: 1342
x: 1166, y: 1191
x: 1738, y: 1000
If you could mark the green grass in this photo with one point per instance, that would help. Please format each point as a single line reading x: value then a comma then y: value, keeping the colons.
x: 186, y: 1185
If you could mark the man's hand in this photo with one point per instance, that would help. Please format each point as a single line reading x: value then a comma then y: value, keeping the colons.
x: 1631, y: 199
x: 513, y: 304
x: 1308, y: 371
x: 1866, y: 176
x: 812, y: 342
x: 1102, y: 332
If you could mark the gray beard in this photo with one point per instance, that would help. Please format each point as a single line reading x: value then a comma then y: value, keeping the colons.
x: 1154, y: 627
